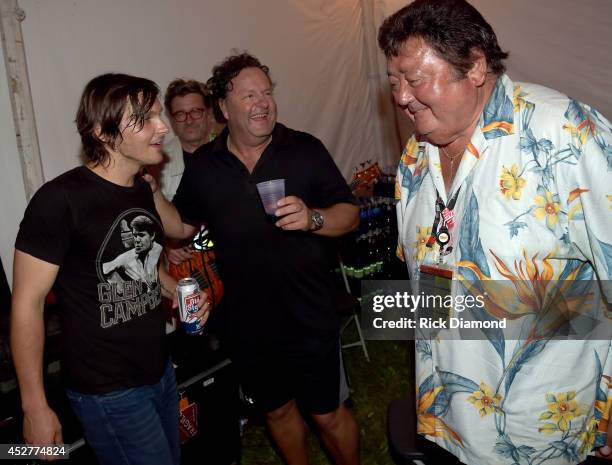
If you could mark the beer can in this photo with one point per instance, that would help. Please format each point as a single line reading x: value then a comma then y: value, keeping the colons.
x: 188, y: 294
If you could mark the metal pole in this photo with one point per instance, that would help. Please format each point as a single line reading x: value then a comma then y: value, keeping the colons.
x: 11, y: 16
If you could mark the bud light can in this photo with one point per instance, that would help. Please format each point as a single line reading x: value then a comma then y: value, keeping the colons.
x: 188, y: 294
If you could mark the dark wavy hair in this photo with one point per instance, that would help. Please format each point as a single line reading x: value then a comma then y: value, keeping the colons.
x: 222, y: 74
x: 103, y: 103
x: 453, y: 28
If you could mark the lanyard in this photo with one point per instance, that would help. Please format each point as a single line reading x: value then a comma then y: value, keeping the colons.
x: 445, y: 215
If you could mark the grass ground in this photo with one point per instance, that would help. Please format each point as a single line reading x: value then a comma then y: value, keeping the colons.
x: 374, y: 385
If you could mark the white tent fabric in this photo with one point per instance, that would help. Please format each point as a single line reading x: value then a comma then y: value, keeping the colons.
x: 12, y: 191
x: 562, y: 44
x: 314, y: 48
x: 331, y: 80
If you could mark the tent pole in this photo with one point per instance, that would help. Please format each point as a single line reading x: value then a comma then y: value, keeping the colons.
x: 11, y: 16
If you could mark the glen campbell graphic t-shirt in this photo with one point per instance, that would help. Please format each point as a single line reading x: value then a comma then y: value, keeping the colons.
x: 106, y: 240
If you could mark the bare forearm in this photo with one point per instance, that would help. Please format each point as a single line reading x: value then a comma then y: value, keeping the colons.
x: 168, y: 283
x: 338, y: 219
x: 27, y: 344
x: 32, y: 280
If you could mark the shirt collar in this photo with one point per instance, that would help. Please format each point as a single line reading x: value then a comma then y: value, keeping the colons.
x: 281, y: 136
x: 498, y: 115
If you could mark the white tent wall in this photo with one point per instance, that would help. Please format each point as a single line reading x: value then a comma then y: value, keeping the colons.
x: 317, y: 51
x: 314, y: 49
x: 12, y: 190
x: 562, y: 44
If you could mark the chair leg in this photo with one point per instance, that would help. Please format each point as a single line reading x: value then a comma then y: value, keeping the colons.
x: 363, y: 343
x: 354, y: 318
x: 345, y: 325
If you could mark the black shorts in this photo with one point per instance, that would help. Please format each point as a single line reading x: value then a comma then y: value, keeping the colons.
x: 306, y: 369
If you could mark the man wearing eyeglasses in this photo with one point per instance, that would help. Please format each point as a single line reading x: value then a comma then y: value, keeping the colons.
x: 194, y: 123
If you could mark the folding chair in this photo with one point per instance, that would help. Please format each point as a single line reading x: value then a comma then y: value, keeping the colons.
x: 348, y: 304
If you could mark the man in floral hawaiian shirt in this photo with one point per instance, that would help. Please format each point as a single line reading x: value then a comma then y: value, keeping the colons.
x: 526, y: 174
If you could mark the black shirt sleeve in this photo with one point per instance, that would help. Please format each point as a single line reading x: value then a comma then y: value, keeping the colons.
x: 46, y: 227
x: 329, y: 185
x: 187, y: 194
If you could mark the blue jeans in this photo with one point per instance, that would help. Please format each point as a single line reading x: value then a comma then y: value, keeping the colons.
x: 136, y: 426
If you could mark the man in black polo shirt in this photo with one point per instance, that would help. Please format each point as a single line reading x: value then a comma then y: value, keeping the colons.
x: 283, y: 328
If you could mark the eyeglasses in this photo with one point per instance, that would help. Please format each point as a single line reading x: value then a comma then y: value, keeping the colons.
x: 182, y: 116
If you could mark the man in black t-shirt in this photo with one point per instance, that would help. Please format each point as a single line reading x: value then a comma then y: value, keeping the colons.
x: 73, y: 236
x: 283, y: 330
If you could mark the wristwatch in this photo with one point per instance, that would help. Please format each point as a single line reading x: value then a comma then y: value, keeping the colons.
x: 316, y: 220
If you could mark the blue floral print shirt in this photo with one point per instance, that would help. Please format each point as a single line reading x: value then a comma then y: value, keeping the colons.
x: 534, y: 207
